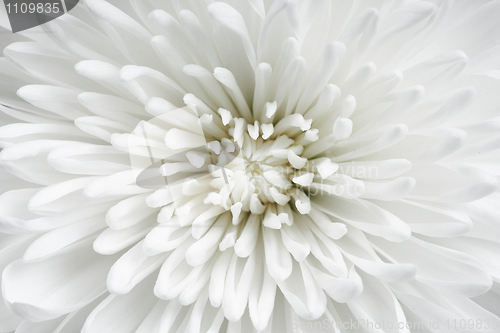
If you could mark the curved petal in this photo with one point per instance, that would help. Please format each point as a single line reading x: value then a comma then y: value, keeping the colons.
x: 356, y: 212
x: 303, y: 293
x: 122, y: 313
x: 377, y: 304
x: 437, y: 266
x: 59, y: 285
x: 48, y: 326
x: 132, y: 268
x: 12, y: 250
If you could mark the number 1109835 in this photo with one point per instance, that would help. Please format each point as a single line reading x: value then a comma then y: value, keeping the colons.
x: 30, y: 7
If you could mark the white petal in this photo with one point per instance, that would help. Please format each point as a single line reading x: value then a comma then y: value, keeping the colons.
x: 333, y: 53
x: 339, y: 289
x: 327, y: 168
x: 389, y: 191
x: 109, y: 185
x: 375, y: 169
x: 112, y: 107
x: 121, y: 27
x: 390, y: 136
x: 278, y: 259
x: 479, y: 248
x: 164, y: 238
x: 332, y: 229
x: 105, y: 73
x: 66, y: 159
x: 247, y: 240
x: 430, y: 219
x: 64, y: 239
x: 239, y: 279
x: 123, y: 313
x: 131, y: 269
x: 128, y: 212
x: 42, y: 327
x: 261, y: 301
x: 62, y: 101
x: 303, y: 293
x: 112, y: 241
x: 75, y: 320
x: 204, y: 248
x: 176, y: 274
x: 12, y: 250
x: 14, y: 215
x: 59, y: 197
x: 378, y: 304
x: 342, y: 128
x: 231, y: 19
x: 47, y: 63
x: 218, y: 278
x: 473, y: 280
x: 73, y: 279
x: 295, y: 242
x: 144, y: 83
x: 227, y: 78
x: 382, y: 222
x: 358, y: 250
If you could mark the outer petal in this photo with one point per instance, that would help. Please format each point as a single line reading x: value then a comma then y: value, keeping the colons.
x: 123, y: 313
x: 72, y: 280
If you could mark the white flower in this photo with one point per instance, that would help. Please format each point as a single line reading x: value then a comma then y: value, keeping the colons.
x: 355, y: 180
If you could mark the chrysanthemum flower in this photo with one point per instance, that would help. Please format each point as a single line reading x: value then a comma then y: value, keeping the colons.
x: 354, y: 186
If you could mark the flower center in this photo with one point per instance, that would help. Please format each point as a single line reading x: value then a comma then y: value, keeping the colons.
x: 269, y: 175
x: 266, y: 166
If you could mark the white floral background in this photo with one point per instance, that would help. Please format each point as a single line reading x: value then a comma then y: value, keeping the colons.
x: 366, y: 188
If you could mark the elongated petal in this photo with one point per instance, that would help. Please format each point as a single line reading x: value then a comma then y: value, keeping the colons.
x: 72, y: 291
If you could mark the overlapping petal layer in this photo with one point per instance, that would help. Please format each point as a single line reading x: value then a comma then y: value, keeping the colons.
x: 348, y: 171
